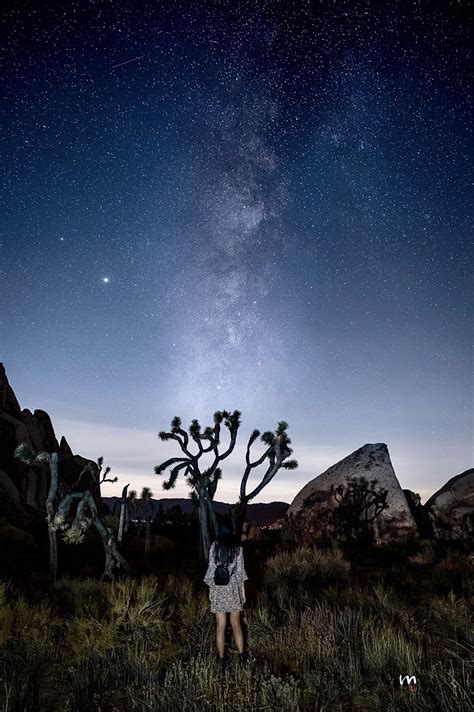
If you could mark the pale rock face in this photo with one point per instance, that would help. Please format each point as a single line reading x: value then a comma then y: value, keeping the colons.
x: 451, y: 509
x: 371, y: 461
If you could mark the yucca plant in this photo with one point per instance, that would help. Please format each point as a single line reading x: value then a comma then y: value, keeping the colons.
x: 203, y: 483
x: 29, y: 457
x: 58, y: 515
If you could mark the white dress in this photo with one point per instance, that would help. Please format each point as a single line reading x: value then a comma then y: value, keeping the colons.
x: 225, y: 599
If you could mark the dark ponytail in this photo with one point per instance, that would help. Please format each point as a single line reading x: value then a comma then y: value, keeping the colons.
x: 225, y: 548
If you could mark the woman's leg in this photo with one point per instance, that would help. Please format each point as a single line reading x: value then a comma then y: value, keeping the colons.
x: 237, y: 630
x: 221, y: 620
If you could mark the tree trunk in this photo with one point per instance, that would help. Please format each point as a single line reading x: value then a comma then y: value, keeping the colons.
x: 53, y: 553
x: 53, y: 541
x: 204, y: 538
x: 212, y: 519
x: 241, y: 512
x: 147, y: 535
x: 122, y: 514
x: 121, y: 523
x: 113, y: 558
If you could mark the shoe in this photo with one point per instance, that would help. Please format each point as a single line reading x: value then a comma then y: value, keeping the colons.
x: 243, y: 657
x: 221, y: 665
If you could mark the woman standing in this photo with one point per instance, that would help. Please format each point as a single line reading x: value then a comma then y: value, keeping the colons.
x: 226, y: 587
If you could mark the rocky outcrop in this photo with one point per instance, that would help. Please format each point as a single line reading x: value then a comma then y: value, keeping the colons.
x: 8, y: 485
x: 308, y: 517
x: 451, y: 508
x: 8, y: 401
x: 23, y: 489
x: 66, y: 451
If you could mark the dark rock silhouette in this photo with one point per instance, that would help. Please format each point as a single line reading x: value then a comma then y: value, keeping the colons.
x: 23, y: 489
x: 265, y: 512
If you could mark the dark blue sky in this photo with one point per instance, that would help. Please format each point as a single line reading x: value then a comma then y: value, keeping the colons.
x: 255, y: 206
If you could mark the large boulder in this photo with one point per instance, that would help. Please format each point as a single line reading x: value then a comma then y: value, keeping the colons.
x: 307, y: 517
x: 10, y: 534
x: 40, y: 430
x: 451, y: 508
x: 20, y: 482
x: 9, y: 486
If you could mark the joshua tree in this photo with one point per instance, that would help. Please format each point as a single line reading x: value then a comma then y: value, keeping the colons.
x: 203, y: 483
x: 277, y: 452
x: 132, y: 499
x: 145, y: 506
x: 360, y: 502
x: 24, y: 453
x: 58, y: 514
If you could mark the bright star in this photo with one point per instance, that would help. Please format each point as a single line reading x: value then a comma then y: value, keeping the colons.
x: 105, y: 279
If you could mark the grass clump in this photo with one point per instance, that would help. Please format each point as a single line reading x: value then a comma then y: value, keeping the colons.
x: 322, y: 635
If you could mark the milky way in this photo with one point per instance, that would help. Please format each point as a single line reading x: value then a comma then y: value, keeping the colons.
x: 256, y: 206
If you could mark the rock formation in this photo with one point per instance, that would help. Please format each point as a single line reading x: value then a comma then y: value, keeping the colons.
x: 307, y: 517
x: 451, y: 508
x: 23, y: 489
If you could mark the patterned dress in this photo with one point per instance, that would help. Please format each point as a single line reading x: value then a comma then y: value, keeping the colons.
x: 225, y: 599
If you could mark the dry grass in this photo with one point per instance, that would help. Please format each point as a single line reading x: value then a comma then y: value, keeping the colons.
x: 320, y: 638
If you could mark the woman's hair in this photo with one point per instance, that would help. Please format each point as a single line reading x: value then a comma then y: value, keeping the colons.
x: 224, y: 550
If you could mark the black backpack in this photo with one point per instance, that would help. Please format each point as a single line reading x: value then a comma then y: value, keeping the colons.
x: 221, y: 574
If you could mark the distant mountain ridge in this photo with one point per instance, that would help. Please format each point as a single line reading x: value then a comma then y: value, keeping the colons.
x: 265, y: 513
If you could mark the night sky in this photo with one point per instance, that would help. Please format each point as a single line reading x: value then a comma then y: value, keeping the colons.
x: 258, y: 206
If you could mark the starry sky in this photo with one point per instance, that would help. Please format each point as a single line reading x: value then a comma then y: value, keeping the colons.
x: 261, y: 206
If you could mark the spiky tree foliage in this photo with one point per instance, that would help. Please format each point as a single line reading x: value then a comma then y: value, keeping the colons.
x: 59, y: 518
x: 360, y: 503
x: 203, y: 483
x: 277, y: 452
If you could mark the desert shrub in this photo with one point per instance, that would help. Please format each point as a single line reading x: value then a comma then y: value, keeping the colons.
x: 317, y: 641
x: 440, y: 686
x: 186, y: 604
x: 387, y: 649
x: 132, y: 617
x: 195, y: 685
x: 311, y: 636
x: 137, y: 606
x: 425, y: 555
x: 453, y: 573
x: 6, y: 616
x: 309, y: 567
x: 27, y: 636
x: 451, y: 617
x: 84, y: 597
x: 450, y: 688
